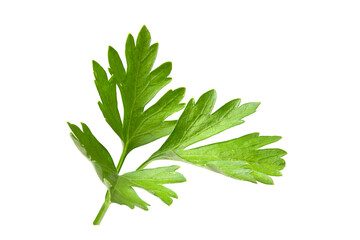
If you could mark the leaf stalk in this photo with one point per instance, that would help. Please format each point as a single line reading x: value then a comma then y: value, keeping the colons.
x: 107, y: 201
x: 103, y: 209
x: 122, y: 158
x: 144, y: 164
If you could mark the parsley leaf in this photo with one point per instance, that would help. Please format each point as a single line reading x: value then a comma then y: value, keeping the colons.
x: 239, y: 158
x: 138, y: 86
x: 88, y: 145
x: 149, y: 179
x: 109, y: 103
x: 121, y: 187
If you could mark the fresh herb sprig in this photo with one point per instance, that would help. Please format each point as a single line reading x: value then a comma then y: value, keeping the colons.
x: 241, y: 158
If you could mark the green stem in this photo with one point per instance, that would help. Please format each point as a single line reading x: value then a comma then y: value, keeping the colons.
x: 103, y: 209
x: 122, y: 158
x: 144, y: 164
x: 107, y: 201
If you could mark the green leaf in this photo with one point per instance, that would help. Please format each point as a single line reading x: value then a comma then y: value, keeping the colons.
x: 97, y: 154
x: 109, y: 104
x: 123, y: 194
x: 138, y: 86
x: 239, y: 158
x: 151, y: 180
x: 242, y: 158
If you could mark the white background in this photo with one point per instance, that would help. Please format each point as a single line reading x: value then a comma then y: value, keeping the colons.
x: 299, y: 58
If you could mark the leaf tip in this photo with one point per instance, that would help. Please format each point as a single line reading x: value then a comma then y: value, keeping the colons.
x: 95, y: 63
x: 84, y: 127
x: 211, y: 92
x: 144, y: 29
x: 182, y: 90
x: 168, y: 64
x: 155, y: 46
x: 256, y: 105
x: 191, y: 101
x: 209, y: 95
x: 111, y: 49
x: 174, y: 167
x: 277, y: 137
x: 283, y: 153
x: 130, y: 41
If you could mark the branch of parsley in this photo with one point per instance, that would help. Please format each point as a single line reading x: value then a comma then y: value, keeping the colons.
x: 241, y: 158
x: 107, y: 200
